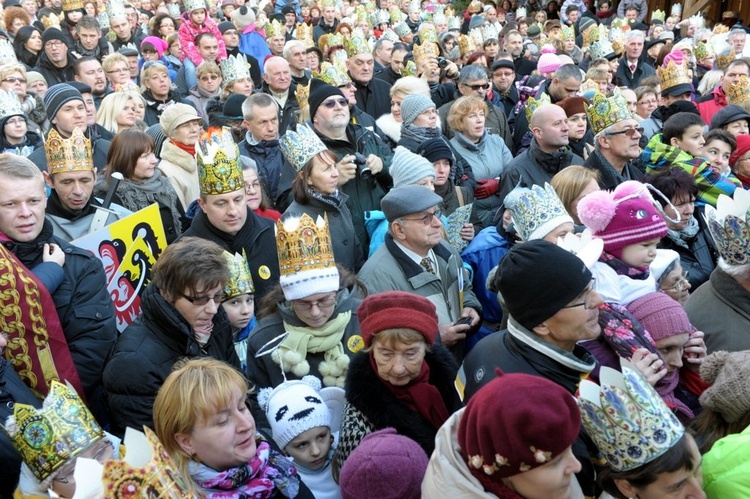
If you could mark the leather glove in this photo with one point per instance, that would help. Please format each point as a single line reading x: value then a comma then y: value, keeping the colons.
x: 486, y: 188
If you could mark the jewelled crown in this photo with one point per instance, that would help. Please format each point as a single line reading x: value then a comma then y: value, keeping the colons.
x: 305, y: 257
x: 466, y: 45
x: 146, y: 471
x: 68, y: 155
x: 533, y: 104
x: 116, y: 8
x: 536, y: 211
x: 274, y: 29
x: 568, y: 33
x: 68, y: 5
x: 10, y: 104
x: 240, y: 281
x: 356, y: 44
x: 301, y: 146
x: 703, y: 50
x: 401, y: 28
x: 428, y: 33
x: 600, y: 45
x: 191, y: 5
x: 729, y: 223
x: 739, y: 93
x: 672, y: 75
x: 658, y: 15
x: 333, y: 74
x: 218, y: 159
x: 235, y: 67
x: 424, y: 51
x: 7, y: 54
x: 629, y: 422
x: 49, y: 437
x: 304, y: 33
x: 605, y: 112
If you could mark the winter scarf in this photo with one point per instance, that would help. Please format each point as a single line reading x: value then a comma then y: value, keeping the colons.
x: 334, y: 199
x: 419, y: 133
x: 683, y: 237
x: 622, y: 268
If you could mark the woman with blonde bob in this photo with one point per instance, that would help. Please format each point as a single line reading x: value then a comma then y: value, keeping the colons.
x: 117, y: 112
x: 391, y: 123
x: 571, y: 184
x: 202, y: 419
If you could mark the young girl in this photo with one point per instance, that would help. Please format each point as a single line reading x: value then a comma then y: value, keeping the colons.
x: 194, y: 22
x: 717, y: 150
x: 301, y: 416
x: 239, y: 303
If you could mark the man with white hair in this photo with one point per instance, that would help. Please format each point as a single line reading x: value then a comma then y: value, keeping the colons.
x: 631, y: 69
x: 277, y: 82
x: 296, y: 55
x: 736, y: 39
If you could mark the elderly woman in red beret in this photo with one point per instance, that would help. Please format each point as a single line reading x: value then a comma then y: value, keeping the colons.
x: 402, y: 379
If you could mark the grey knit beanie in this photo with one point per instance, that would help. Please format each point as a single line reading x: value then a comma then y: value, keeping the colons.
x: 729, y: 393
x: 408, y: 168
x: 414, y: 105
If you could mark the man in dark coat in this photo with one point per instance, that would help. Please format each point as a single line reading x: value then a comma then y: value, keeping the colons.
x: 631, y: 68
x: 373, y: 94
x: 277, y: 82
x: 55, y: 62
x: 327, y: 23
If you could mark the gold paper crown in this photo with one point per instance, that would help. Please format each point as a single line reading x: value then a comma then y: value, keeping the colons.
x: 68, y: 5
x: 301, y: 146
x: 362, y: 16
x: 425, y: 50
x: 659, y: 15
x: 116, y: 8
x: 409, y: 69
x: 68, y: 155
x: 568, y: 33
x: 672, y: 75
x: 356, y: 45
x: 428, y: 33
x: 146, y: 472
x: 304, y: 33
x: 10, y: 104
x: 275, y: 28
x: 329, y: 41
x: 48, y: 438
x: 720, y: 29
x: 235, y: 68
x: 724, y: 57
x: 327, y: 3
x: 589, y: 85
x: 704, y: 50
x: 466, y: 45
x: 605, y: 112
x: 729, y: 224
x: 240, y: 280
x: 533, y: 104
x: 629, y: 422
x: 51, y: 20
x: 333, y: 74
x: 739, y: 93
x: 302, y: 94
x: 591, y: 35
x: 396, y: 15
x: 218, y: 160
x: 450, y: 11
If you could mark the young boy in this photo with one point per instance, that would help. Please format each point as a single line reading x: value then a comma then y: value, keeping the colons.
x: 239, y: 303
x: 719, y: 147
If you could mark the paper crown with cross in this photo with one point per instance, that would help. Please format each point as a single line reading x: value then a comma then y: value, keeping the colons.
x: 301, y: 147
x: 49, y: 437
x: 672, y: 75
x: 739, y: 92
x: 68, y: 155
x: 605, y: 112
x: 306, y: 260
x: 10, y: 104
x: 275, y: 29
x: 627, y: 419
x: 356, y: 44
x: 704, y: 50
x: 116, y: 8
x: 658, y: 15
x: 240, y: 280
x: 191, y: 5
x: 218, y: 158
x: 234, y: 67
x: 533, y: 104
x: 537, y: 211
x: 729, y: 224
x: 333, y: 74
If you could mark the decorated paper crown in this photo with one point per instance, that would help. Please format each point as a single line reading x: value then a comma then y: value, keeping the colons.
x: 439, y: 18
x: 379, y: 17
x: 720, y: 29
x: 305, y: 257
x: 591, y: 35
x: 49, y: 437
x: 116, y: 8
x: 589, y: 86
x: 240, y: 281
x: 533, y: 104
x: 568, y: 33
x: 520, y: 12
x: 235, y: 67
x: 454, y: 23
x: 605, y: 112
x: 396, y: 15
x: 7, y: 54
x: 356, y: 45
x: 658, y: 15
x: 739, y: 93
x: 275, y: 28
x: 68, y: 155
x: 218, y: 160
x: 415, y: 7
x: 10, y: 104
x: 329, y: 41
x: 51, y: 20
x: 301, y: 146
x: 145, y: 472
x: 304, y: 33
x: 450, y: 11
x: 191, y: 5
x: 466, y: 45
x: 424, y: 51
x: 627, y: 419
x: 128, y: 86
x: 676, y: 9
x: 672, y: 75
x: 617, y: 38
x: 173, y: 9
x: 327, y: 3
x: 729, y: 224
x: 409, y: 69
x: 697, y: 20
x: 477, y: 37
x: 704, y: 50
x: 490, y: 32
x: 302, y: 94
x: 428, y: 33
x: 601, y: 46
x: 724, y: 55
x: 333, y: 74
x: 103, y: 18
x: 619, y: 23
x: 363, y: 16
x: 536, y: 211
x: 402, y: 29
x: 389, y: 34
x: 69, y: 5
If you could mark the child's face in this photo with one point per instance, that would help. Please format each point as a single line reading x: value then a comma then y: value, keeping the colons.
x: 240, y: 310
x: 198, y: 16
x: 717, y: 154
x: 640, y: 254
x: 310, y: 448
x: 692, y: 141
x: 736, y: 128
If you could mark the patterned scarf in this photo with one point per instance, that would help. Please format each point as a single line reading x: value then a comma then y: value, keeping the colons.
x: 681, y: 237
x: 622, y: 268
x: 419, y: 133
x: 334, y: 199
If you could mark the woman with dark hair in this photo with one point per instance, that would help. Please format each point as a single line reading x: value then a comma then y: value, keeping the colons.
x: 132, y: 155
x: 689, y: 237
x: 162, y: 25
x: 27, y: 45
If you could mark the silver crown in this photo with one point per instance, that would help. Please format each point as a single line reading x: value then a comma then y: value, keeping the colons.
x: 191, y: 5
x: 729, y: 224
x: 380, y: 16
x: 116, y: 8
x: 235, y: 68
x: 10, y: 104
x: 7, y: 54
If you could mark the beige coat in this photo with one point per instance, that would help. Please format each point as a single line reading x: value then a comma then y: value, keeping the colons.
x: 182, y: 170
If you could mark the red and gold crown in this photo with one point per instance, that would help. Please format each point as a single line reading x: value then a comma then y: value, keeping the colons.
x: 68, y: 155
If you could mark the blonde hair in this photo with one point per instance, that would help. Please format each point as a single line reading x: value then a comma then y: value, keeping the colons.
x: 462, y: 108
x: 111, y: 106
x: 408, y: 85
x: 207, y: 67
x: 148, y: 69
x: 109, y: 62
x: 194, y: 392
x: 9, y: 69
x: 569, y: 182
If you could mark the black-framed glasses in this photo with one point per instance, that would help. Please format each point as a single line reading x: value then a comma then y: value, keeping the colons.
x: 628, y: 131
x: 323, y: 303
x: 427, y: 219
x: 478, y: 86
x: 681, y: 283
x: 203, y: 300
x: 586, y: 295
x: 330, y: 104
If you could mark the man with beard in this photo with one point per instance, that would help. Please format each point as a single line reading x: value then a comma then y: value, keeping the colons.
x: 88, y: 40
x: 89, y: 70
x: 55, y: 63
x: 513, y: 44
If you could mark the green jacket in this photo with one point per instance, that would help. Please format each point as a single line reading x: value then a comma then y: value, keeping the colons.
x: 726, y: 467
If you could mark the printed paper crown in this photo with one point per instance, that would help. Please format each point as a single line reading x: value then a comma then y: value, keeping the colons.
x: 68, y: 155
x: 477, y: 37
x: 362, y: 15
x: 10, y: 104
x: 591, y: 35
x: 396, y: 15
x: 672, y: 75
x: 533, y: 104
x: 173, y: 9
x: 7, y: 54
x: 329, y: 41
x: 454, y: 23
x: 629, y: 422
x: 704, y: 50
x: 589, y: 85
x: 191, y: 5
x: 466, y: 45
x: 379, y: 17
x: 68, y: 5
x: 389, y: 34
x: 49, y: 437
x: 235, y: 67
x: 218, y: 158
x: 305, y: 257
x: 301, y: 146
x: 739, y: 93
x: 729, y: 224
x: 536, y: 211
x: 333, y: 74
x: 617, y: 38
x: 720, y: 29
x: 424, y: 51
x: 240, y: 281
x: 490, y: 32
x: 304, y: 33
x: 356, y: 44
x: 51, y: 20
x: 619, y: 22
x: 409, y: 69
x: 327, y: 3
x: 605, y: 112
x: 659, y: 15
x: 302, y: 94
x: 568, y: 33
x: 601, y: 46
x: 116, y: 8
x: 428, y: 33
x: 520, y: 12
x: 402, y: 29
x: 676, y: 9
x: 275, y: 28
x: 724, y: 56
x: 146, y: 471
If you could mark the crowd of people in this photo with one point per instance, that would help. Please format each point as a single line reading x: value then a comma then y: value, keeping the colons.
x: 397, y: 249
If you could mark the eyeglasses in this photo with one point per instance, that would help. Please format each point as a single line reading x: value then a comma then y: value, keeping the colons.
x: 121, y: 70
x: 203, y: 300
x: 427, y: 219
x: 587, y: 296
x: 53, y: 44
x: 16, y: 121
x: 477, y: 87
x: 255, y: 186
x: 680, y: 285
x: 330, y: 104
x: 210, y: 77
x: 307, y: 305
x: 14, y: 79
x: 628, y: 131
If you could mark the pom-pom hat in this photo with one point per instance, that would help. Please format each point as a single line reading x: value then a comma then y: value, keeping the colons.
x: 397, y: 309
x: 729, y: 393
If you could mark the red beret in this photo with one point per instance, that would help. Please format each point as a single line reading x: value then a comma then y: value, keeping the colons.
x: 397, y: 309
x: 743, y: 145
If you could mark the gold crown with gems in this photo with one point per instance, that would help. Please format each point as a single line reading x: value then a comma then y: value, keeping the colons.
x: 356, y: 44
x: 729, y: 224
x: 605, y: 112
x: 235, y: 67
x: 304, y: 33
x: 333, y: 74
x: 68, y: 155
x: 466, y: 45
x: 672, y: 75
x: 533, y: 104
x: 49, y: 437
x: 301, y: 146
x: 68, y: 5
x: 739, y: 93
x: 218, y: 158
x: 240, y: 280
x: 704, y: 50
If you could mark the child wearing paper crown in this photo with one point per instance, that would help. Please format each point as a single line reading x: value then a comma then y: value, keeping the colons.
x: 301, y: 419
x: 195, y: 21
x: 239, y: 303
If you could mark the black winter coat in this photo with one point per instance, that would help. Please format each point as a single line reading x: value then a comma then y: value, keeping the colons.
x: 700, y: 257
x: 288, y: 113
x: 609, y: 178
x: 270, y: 162
x: 52, y: 74
x: 374, y: 97
x: 145, y: 353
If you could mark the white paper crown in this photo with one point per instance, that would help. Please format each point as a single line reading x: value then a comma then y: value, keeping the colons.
x: 10, y: 105
x: 536, y: 211
x: 697, y: 20
x: 627, y: 419
x: 380, y: 16
x: 454, y: 22
x: 116, y: 8
x: 520, y: 12
x: 7, y: 54
x: 584, y: 245
x: 235, y: 67
x: 601, y: 47
x: 191, y: 5
x: 729, y: 224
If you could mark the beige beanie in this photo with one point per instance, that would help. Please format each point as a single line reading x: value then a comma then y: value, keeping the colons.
x: 729, y: 393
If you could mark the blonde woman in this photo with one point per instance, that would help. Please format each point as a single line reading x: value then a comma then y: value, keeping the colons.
x: 13, y: 77
x: 117, y: 112
x: 117, y: 69
x: 156, y: 89
x: 391, y: 123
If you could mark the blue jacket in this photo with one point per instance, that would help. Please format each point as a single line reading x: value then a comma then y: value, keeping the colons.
x: 483, y: 254
x: 252, y: 43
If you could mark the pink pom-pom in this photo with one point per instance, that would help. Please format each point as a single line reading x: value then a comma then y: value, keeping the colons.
x: 548, y: 49
x: 630, y: 187
x: 597, y: 210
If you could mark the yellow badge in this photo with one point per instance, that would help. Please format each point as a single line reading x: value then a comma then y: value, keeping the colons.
x: 355, y: 343
x: 264, y: 272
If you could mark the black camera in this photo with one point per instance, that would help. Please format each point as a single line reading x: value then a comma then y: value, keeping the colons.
x: 442, y: 62
x: 362, y: 168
